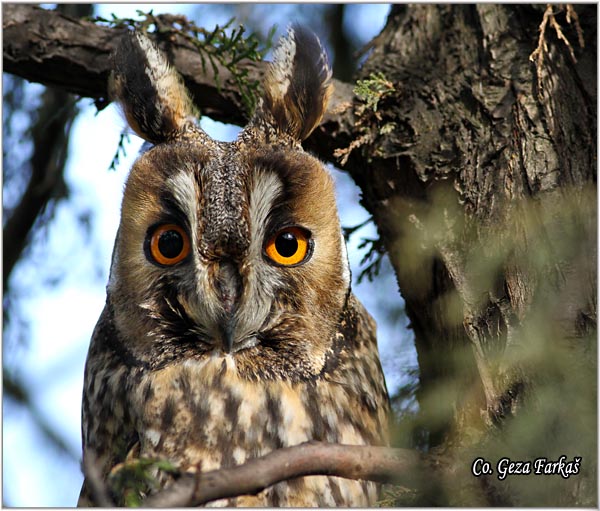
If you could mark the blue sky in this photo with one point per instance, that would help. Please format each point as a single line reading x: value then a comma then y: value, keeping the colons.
x: 63, y: 316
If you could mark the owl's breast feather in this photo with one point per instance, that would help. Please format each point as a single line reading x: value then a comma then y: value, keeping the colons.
x: 203, y: 412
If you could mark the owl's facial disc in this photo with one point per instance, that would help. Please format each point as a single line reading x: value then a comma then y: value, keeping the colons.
x: 229, y: 253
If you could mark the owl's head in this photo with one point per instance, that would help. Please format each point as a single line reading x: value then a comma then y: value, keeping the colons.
x: 228, y: 249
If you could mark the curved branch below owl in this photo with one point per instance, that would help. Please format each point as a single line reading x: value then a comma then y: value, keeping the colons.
x: 380, y: 464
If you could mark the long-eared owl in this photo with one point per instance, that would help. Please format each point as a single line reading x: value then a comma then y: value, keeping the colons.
x: 230, y: 329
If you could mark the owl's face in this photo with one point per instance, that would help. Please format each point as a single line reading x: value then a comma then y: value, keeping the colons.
x: 229, y: 249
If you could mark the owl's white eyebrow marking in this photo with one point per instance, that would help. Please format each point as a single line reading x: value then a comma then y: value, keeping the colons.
x: 183, y: 188
x: 266, y: 189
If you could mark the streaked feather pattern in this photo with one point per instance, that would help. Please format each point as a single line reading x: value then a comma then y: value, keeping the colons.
x: 228, y: 354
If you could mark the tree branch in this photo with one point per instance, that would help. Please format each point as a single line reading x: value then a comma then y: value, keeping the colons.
x: 51, y: 136
x: 54, y: 49
x: 380, y: 464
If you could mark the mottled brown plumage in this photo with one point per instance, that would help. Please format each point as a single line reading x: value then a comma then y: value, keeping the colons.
x: 230, y: 328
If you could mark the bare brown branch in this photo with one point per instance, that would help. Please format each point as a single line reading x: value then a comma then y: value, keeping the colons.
x: 380, y: 464
x: 54, y: 49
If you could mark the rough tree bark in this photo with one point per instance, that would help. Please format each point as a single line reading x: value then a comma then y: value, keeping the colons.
x: 479, y: 168
x: 484, y: 193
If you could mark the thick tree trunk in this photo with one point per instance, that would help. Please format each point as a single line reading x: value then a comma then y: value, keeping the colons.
x: 481, y: 176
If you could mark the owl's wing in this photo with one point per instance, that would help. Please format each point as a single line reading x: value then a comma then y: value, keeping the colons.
x: 355, y: 364
x: 107, y: 428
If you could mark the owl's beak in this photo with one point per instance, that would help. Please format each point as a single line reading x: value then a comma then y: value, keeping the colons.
x: 228, y: 337
x: 228, y: 285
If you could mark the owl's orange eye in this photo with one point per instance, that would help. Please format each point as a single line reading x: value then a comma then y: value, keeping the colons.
x: 169, y: 244
x: 288, y: 247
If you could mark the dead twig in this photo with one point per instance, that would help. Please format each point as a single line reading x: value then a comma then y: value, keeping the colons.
x: 549, y: 17
x: 572, y: 15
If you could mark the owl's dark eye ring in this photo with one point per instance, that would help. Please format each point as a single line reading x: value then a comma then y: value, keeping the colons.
x: 289, y: 246
x: 168, y: 244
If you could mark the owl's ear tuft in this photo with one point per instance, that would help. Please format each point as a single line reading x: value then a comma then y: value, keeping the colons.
x: 151, y: 93
x: 297, y: 85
